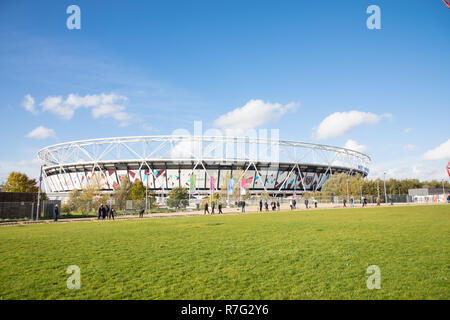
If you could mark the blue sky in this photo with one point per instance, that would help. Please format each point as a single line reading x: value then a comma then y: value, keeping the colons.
x: 164, y: 64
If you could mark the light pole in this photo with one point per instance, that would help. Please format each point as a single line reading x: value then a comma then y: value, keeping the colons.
x: 38, y: 209
x: 146, y: 194
x: 385, y: 194
x: 378, y: 188
x: 348, y: 199
x: 443, y: 189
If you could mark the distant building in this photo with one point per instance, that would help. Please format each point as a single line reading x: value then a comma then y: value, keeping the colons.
x: 427, y: 191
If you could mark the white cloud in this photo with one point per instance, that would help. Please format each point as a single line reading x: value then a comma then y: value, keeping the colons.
x: 353, y: 145
x: 102, y: 105
x: 55, y: 105
x: 253, y: 114
x: 41, y: 133
x: 147, y: 127
x: 28, y: 104
x: 339, y: 123
x: 407, y: 130
x: 441, y: 152
x: 29, y: 167
x: 410, y: 168
x: 409, y: 147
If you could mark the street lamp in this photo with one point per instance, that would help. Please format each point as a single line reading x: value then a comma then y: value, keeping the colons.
x: 146, y: 194
x: 378, y: 188
x: 385, y: 194
x: 348, y: 199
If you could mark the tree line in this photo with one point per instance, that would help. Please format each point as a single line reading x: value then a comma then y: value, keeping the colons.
x: 337, y: 184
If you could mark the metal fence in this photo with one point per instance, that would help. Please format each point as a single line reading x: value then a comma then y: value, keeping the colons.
x: 27, y: 210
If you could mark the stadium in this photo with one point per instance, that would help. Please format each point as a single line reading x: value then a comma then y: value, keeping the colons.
x: 199, y: 163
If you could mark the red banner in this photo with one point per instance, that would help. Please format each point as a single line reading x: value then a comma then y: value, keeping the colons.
x: 448, y: 168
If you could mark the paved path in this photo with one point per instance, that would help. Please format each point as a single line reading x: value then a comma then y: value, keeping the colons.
x: 248, y: 209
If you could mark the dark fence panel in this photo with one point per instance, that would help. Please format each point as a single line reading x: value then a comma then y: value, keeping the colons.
x: 17, y: 210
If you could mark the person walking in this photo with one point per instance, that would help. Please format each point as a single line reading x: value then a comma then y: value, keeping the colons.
x: 266, y: 205
x: 141, y: 213
x: 206, y: 208
x: 315, y: 203
x: 243, y: 206
x: 213, y: 205
x: 103, y: 212
x: 278, y: 205
x: 306, y: 203
x: 220, y: 208
x: 294, y: 203
x: 260, y: 205
x: 345, y: 203
x: 99, y: 212
x: 55, y: 213
x: 378, y: 201
x: 112, y: 213
x: 108, y: 212
x: 291, y: 205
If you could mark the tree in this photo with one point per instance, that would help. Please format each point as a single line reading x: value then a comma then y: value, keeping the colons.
x: 238, y: 176
x: 19, y: 182
x: 178, y: 198
x: 137, y: 191
x: 86, y: 200
x: 123, y: 192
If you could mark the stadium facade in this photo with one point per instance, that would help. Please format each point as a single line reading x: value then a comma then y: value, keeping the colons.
x: 199, y: 163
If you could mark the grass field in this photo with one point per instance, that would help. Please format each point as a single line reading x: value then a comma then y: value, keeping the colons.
x: 320, y: 254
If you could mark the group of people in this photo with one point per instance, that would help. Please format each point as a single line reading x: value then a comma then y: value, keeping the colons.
x: 274, y: 205
x: 104, y: 211
x: 213, y: 207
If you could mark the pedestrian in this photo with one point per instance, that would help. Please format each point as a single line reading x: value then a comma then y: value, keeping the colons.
x: 378, y: 201
x: 243, y: 206
x: 315, y: 203
x: 55, y: 213
x: 99, y: 212
x: 112, y: 213
x: 213, y: 205
x: 291, y: 205
x: 391, y: 200
x: 206, y: 208
x: 294, y: 203
x: 104, y: 212
x: 345, y: 203
x: 260, y: 205
x: 141, y: 213
x: 278, y: 205
x: 266, y: 205
x: 351, y: 202
x: 306, y: 203
x: 220, y: 208
x: 273, y: 205
x: 108, y: 212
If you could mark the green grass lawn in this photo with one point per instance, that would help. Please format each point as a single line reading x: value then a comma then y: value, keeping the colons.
x: 289, y: 255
